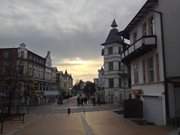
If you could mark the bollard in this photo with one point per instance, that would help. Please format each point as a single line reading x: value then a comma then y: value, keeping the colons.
x: 69, y: 111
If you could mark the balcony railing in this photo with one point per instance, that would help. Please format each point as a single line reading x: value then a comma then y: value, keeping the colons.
x: 140, y: 47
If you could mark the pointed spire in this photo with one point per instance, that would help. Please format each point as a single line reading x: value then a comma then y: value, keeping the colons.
x: 48, y: 54
x: 114, y: 24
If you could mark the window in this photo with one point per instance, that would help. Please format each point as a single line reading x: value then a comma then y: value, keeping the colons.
x: 21, y: 69
x: 22, y: 54
x: 157, y: 67
x: 119, y: 66
x: 120, y: 50
x: 3, y: 70
x: 134, y: 37
x: 120, y: 83
x: 151, y: 26
x: 136, y: 73
x: 111, y: 83
x: 144, y: 71
x: 111, y: 67
x: 110, y: 50
x: 6, y: 54
x: 102, y: 53
x: 144, y: 29
x: 30, y: 56
x: 150, y: 66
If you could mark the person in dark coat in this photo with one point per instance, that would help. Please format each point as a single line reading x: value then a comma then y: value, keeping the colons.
x: 78, y: 100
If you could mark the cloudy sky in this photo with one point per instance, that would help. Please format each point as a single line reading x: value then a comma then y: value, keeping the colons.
x: 71, y: 29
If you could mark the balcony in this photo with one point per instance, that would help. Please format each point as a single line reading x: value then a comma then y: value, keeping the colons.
x: 139, y: 48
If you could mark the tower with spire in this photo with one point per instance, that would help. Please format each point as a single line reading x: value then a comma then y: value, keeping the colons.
x: 115, y: 75
x: 114, y: 24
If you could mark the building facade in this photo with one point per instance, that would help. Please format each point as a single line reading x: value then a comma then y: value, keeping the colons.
x: 65, y: 83
x: 101, y: 80
x: 99, y: 84
x: 151, y: 59
x: 26, y: 72
x: 115, y: 72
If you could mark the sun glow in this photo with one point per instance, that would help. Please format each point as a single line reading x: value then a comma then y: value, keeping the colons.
x: 81, y: 69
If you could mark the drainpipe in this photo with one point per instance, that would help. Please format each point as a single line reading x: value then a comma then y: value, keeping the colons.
x: 164, y: 61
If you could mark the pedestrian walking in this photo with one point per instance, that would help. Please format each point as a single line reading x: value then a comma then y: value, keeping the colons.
x: 69, y: 111
x: 78, y: 100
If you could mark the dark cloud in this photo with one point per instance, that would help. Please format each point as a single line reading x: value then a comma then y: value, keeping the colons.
x: 68, y: 28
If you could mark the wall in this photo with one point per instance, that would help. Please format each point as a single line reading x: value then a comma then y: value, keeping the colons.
x: 153, y: 93
x: 113, y: 95
x: 139, y: 62
x: 171, y: 20
x: 138, y: 29
x: 171, y: 94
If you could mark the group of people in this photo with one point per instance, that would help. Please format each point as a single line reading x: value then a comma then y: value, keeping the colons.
x: 83, y: 100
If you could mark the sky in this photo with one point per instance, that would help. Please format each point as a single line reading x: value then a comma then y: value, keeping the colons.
x: 72, y: 30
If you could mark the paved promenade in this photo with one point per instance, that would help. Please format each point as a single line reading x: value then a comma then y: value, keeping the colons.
x: 99, y: 120
x: 89, y: 123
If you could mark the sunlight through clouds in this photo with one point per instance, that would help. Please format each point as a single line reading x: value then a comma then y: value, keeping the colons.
x: 81, y: 68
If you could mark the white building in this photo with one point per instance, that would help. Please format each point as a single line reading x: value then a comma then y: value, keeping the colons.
x: 154, y: 45
x: 115, y: 73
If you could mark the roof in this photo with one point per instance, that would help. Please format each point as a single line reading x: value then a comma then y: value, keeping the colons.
x: 142, y: 12
x: 114, y: 35
x: 114, y: 24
